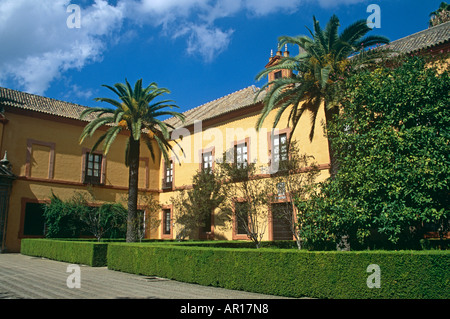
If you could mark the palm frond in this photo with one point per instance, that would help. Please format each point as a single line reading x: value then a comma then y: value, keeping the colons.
x: 110, y: 101
x: 92, y: 127
x: 371, y: 40
x: 137, y: 106
x: 331, y: 32
x: 323, y: 58
x: 354, y: 32
x: 91, y: 110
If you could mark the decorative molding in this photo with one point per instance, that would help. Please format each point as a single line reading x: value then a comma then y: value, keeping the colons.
x: 51, y: 163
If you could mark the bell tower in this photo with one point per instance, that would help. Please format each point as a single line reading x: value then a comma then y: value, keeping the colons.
x: 274, y: 60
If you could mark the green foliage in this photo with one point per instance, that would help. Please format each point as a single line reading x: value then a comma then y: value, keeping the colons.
x: 75, y: 217
x: 195, y: 206
x: 62, y: 218
x: 323, y: 61
x: 107, y: 219
x: 441, y: 15
x: 391, y: 142
x: 79, y: 252
x: 294, y: 178
x: 136, y: 112
x: 291, y: 272
x: 247, y: 195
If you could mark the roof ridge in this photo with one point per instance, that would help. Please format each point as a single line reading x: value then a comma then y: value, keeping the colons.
x: 423, y: 31
x: 217, y: 99
x: 43, y: 97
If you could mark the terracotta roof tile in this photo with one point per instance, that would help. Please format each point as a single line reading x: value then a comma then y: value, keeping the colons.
x: 423, y: 39
x: 221, y: 106
x: 41, y: 104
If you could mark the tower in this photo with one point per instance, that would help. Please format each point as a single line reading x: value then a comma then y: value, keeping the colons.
x: 274, y: 60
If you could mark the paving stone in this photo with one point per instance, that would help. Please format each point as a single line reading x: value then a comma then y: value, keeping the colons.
x: 39, y: 278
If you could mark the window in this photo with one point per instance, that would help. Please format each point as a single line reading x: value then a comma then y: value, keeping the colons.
x: 240, y: 155
x: 166, y: 222
x: 34, y: 222
x: 278, y: 75
x: 282, y: 218
x: 93, y: 170
x: 241, y: 215
x: 168, y: 175
x: 207, y: 161
x: 279, y: 150
x: 281, y: 190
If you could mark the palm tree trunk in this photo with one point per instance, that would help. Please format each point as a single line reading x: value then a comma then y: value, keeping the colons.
x: 133, y: 189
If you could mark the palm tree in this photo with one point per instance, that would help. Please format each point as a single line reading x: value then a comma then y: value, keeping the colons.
x: 323, y: 61
x: 135, y: 112
x: 441, y: 15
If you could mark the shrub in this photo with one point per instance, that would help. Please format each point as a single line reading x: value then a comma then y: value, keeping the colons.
x: 290, y: 272
x: 391, y: 141
x: 75, y: 217
x: 79, y: 252
x: 62, y: 217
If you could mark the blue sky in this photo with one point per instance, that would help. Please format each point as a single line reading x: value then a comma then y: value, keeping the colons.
x: 199, y: 49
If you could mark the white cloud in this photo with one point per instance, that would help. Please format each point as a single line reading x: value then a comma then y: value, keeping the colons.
x: 37, y: 45
x: 208, y: 41
x: 335, y: 3
x: 264, y: 7
x: 196, y: 19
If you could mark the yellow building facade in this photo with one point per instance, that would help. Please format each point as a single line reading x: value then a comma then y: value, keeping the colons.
x: 41, y: 139
x: 39, y: 144
x: 46, y: 158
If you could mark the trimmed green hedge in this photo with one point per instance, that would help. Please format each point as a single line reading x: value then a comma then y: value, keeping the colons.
x: 289, y: 272
x: 78, y: 252
x: 274, y: 271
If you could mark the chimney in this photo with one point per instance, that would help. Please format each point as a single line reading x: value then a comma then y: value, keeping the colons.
x: 286, y: 52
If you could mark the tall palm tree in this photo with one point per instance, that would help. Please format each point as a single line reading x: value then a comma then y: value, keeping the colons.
x: 441, y: 15
x: 323, y: 60
x: 136, y: 112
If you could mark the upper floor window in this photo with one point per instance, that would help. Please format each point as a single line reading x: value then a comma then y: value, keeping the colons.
x: 240, y: 155
x: 280, y: 150
x: 168, y: 175
x: 278, y: 75
x: 93, y: 170
x: 207, y: 161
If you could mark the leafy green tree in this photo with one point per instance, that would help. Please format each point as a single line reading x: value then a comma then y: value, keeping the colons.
x: 62, y: 217
x: 293, y: 180
x: 137, y: 112
x: 317, y: 71
x: 106, y: 219
x: 247, y: 196
x: 74, y: 217
x: 392, y: 144
x: 194, y: 207
x: 147, y: 219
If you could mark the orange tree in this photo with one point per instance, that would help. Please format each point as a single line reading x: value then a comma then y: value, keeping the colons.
x: 392, y: 142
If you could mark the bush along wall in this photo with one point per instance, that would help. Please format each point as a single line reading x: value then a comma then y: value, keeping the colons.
x: 292, y: 273
x: 79, y: 252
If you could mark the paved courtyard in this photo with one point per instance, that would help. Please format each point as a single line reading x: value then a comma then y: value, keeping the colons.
x: 26, y: 277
